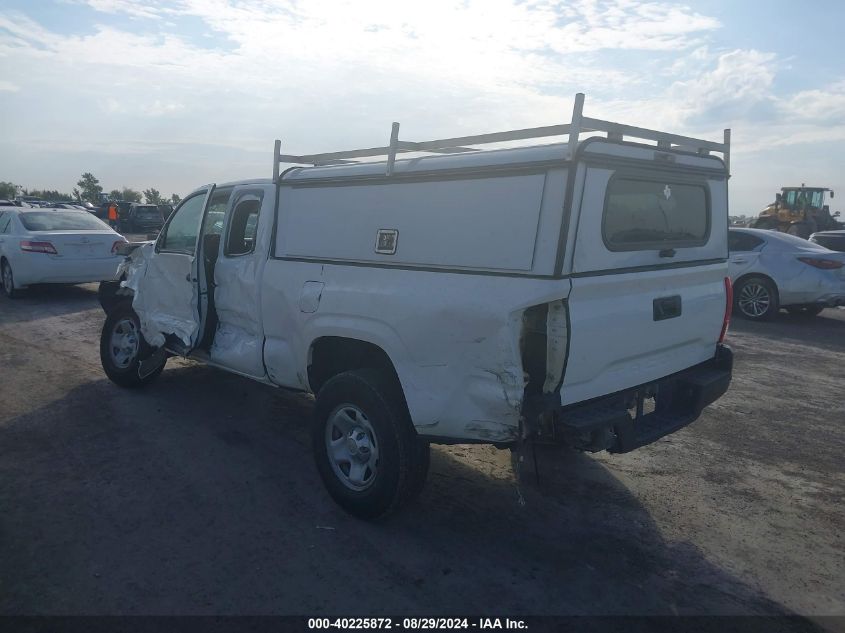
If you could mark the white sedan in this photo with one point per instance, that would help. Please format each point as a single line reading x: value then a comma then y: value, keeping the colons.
x: 55, y: 246
x: 772, y: 270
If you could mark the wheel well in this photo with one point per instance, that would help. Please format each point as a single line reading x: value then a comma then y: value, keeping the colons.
x: 761, y: 276
x: 332, y: 355
x: 110, y: 294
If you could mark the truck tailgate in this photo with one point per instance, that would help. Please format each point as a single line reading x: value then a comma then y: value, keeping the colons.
x: 632, y: 328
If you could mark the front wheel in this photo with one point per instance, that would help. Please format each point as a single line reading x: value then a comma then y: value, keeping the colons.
x: 756, y: 298
x: 122, y: 348
x: 367, y: 452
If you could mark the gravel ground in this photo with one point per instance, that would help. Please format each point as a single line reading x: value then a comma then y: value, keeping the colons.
x: 198, y: 495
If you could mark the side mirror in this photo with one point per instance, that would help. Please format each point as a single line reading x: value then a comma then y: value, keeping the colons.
x: 831, y: 194
x: 836, y: 215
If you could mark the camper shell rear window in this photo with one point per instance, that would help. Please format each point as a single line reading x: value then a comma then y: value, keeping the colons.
x: 648, y: 213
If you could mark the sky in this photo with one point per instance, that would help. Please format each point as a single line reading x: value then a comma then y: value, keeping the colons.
x: 174, y: 94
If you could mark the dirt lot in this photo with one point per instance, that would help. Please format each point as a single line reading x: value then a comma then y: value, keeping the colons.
x: 198, y: 495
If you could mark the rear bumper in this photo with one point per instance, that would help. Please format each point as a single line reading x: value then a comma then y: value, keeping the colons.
x: 813, y: 286
x: 36, y: 268
x: 832, y: 300
x: 627, y: 420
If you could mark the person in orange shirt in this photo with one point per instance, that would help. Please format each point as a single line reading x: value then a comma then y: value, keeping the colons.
x: 113, y: 215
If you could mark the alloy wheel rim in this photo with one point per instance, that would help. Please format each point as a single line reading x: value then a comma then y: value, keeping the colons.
x: 124, y: 343
x: 352, y: 447
x: 754, y: 299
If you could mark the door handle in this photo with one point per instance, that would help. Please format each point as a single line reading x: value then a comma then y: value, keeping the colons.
x: 188, y: 277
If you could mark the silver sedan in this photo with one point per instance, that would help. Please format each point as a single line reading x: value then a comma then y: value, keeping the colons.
x: 772, y: 270
x: 55, y: 246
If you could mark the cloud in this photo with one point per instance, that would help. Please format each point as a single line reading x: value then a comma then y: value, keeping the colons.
x: 449, y: 66
x: 331, y: 75
x: 148, y: 10
x: 741, y: 80
x: 822, y: 106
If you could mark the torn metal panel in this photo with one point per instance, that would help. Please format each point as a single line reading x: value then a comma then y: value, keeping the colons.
x: 166, y: 303
x: 239, y: 339
x: 234, y: 347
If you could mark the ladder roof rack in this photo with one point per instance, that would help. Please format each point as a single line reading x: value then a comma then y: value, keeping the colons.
x: 578, y: 125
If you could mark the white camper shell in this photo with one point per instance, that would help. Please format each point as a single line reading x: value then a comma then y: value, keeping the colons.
x: 575, y: 292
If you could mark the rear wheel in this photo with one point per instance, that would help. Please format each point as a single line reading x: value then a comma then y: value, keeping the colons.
x: 812, y: 309
x: 8, y: 280
x: 756, y: 298
x: 801, y: 229
x: 367, y: 452
x: 122, y: 348
x: 765, y: 223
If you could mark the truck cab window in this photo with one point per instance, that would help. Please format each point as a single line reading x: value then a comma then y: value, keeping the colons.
x: 181, y: 234
x: 216, y: 213
x: 242, y: 228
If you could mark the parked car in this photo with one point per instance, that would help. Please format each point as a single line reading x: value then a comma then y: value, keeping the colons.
x: 834, y: 240
x: 142, y: 218
x: 67, y: 205
x: 30, y: 200
x: 575, y: 291
x: 54, y: 246
x: 772, y: 270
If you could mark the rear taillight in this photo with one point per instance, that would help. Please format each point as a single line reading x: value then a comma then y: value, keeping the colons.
x: 729, y: 303
x: 38, y: 247
x: 824, y: 264
x: 116, y: 246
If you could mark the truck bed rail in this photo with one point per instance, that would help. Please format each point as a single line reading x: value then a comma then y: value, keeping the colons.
x: 579, y: 125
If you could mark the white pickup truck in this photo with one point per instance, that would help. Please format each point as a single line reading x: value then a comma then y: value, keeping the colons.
x: 575, y: 292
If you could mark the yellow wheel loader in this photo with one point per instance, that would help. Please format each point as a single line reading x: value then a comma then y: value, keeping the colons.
x: 799, y: 211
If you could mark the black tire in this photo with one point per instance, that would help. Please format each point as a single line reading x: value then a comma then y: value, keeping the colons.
x: 812, y: 309
x: 125, y: 374
x: 371, y: 401
x: 756, y: 299
x: 7, y: 281
x: 800, y: 229
x: 764, y: 223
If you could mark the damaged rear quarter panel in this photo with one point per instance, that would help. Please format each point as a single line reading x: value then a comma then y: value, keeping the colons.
x: 454, y: 343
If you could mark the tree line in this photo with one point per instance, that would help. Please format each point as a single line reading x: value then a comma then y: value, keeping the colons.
x: 88, y: 189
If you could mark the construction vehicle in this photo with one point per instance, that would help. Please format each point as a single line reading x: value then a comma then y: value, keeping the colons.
x: 798, y: 211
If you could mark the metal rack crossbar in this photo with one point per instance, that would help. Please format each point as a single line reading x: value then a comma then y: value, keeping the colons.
x: 579, y: 125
